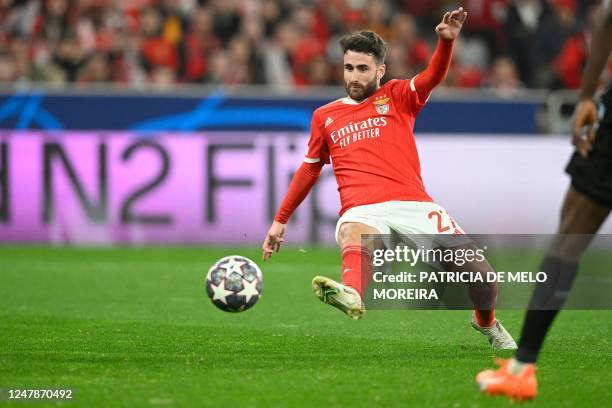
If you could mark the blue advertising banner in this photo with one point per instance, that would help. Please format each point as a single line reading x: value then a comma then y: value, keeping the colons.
x: 219, y: 110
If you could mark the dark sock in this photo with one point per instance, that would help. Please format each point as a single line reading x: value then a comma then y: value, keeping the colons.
x: 548, y: 298
x: 535, y: 327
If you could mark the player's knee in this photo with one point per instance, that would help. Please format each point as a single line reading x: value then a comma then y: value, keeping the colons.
x: 354, y: 233
x: 349, y: 234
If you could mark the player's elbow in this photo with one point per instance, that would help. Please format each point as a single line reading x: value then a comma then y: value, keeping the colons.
x: 313, y: 170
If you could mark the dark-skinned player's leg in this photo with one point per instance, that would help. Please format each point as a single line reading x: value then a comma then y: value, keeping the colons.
x: 588, y: 200
x: 585, y: 208
x: 581, y: 218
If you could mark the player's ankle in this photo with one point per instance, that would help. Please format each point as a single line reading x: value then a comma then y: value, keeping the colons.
x: 484, y: 319
x: 354, y: 287
x: 517, y: 367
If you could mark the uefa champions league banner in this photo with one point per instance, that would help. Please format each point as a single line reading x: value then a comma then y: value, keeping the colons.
x: 223, y: 188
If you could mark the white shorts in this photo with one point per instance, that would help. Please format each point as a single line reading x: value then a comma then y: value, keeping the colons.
x: 404, y: 217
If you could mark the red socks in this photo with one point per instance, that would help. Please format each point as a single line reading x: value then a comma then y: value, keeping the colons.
x: 356, y: 268
x: 484, y: 296
x: 485, y: 318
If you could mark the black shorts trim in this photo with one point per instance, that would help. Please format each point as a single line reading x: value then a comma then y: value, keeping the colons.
x: 587, y: 190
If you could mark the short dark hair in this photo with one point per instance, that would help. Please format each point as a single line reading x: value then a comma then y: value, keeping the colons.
x: 367, y: 42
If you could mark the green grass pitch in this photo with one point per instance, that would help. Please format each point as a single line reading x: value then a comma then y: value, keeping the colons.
x: 133, y: 327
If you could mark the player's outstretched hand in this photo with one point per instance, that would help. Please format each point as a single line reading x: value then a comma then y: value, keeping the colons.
x: 583, y: 126
x: 273, y: 240
x: 451, y: 24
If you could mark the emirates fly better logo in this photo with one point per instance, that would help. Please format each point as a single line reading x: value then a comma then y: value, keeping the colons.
x: 354, y: 132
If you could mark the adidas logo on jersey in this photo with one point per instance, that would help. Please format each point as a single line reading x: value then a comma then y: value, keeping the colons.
x: 328, y: 122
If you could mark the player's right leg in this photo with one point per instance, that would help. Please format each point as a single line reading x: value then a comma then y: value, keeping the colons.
x: 356, y: 272
x: 356, y: 269
x: 431, y: 226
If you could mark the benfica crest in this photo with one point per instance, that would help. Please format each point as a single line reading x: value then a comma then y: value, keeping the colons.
x: 382, y: 104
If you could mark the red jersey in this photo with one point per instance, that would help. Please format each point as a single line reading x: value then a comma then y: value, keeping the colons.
x: 371, y: 145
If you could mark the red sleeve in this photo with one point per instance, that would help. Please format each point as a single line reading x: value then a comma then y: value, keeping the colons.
x: 301, y: 183
x: 435, y: 72
x: 411, y: 95
x: 317, y: 146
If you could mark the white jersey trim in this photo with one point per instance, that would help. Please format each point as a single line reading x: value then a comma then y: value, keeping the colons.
x: 413, y: 89
x: 311, y: 160
x: 329, y: 103
x: 351, y: 101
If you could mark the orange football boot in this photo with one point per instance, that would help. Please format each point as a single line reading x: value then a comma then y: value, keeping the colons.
x: 523, y: 386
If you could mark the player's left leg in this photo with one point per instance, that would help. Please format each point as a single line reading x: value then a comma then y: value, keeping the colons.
x: 424, y: 220
x: 483, y: 295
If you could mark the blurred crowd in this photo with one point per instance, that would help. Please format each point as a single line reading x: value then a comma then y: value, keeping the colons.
x: 506, y: 45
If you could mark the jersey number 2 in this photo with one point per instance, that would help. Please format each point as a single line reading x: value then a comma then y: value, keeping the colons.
x: 435, y: 214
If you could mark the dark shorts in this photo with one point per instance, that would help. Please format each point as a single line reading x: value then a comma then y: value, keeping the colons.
x: 592, y: 176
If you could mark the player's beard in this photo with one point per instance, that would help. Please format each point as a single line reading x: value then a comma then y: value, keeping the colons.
x: 358, y: 92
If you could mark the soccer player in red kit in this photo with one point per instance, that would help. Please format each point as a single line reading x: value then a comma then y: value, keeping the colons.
x: 368, y: 138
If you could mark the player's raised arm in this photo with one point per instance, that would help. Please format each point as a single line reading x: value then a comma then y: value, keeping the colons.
x: 585, y: 114
x: 438, y: 66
